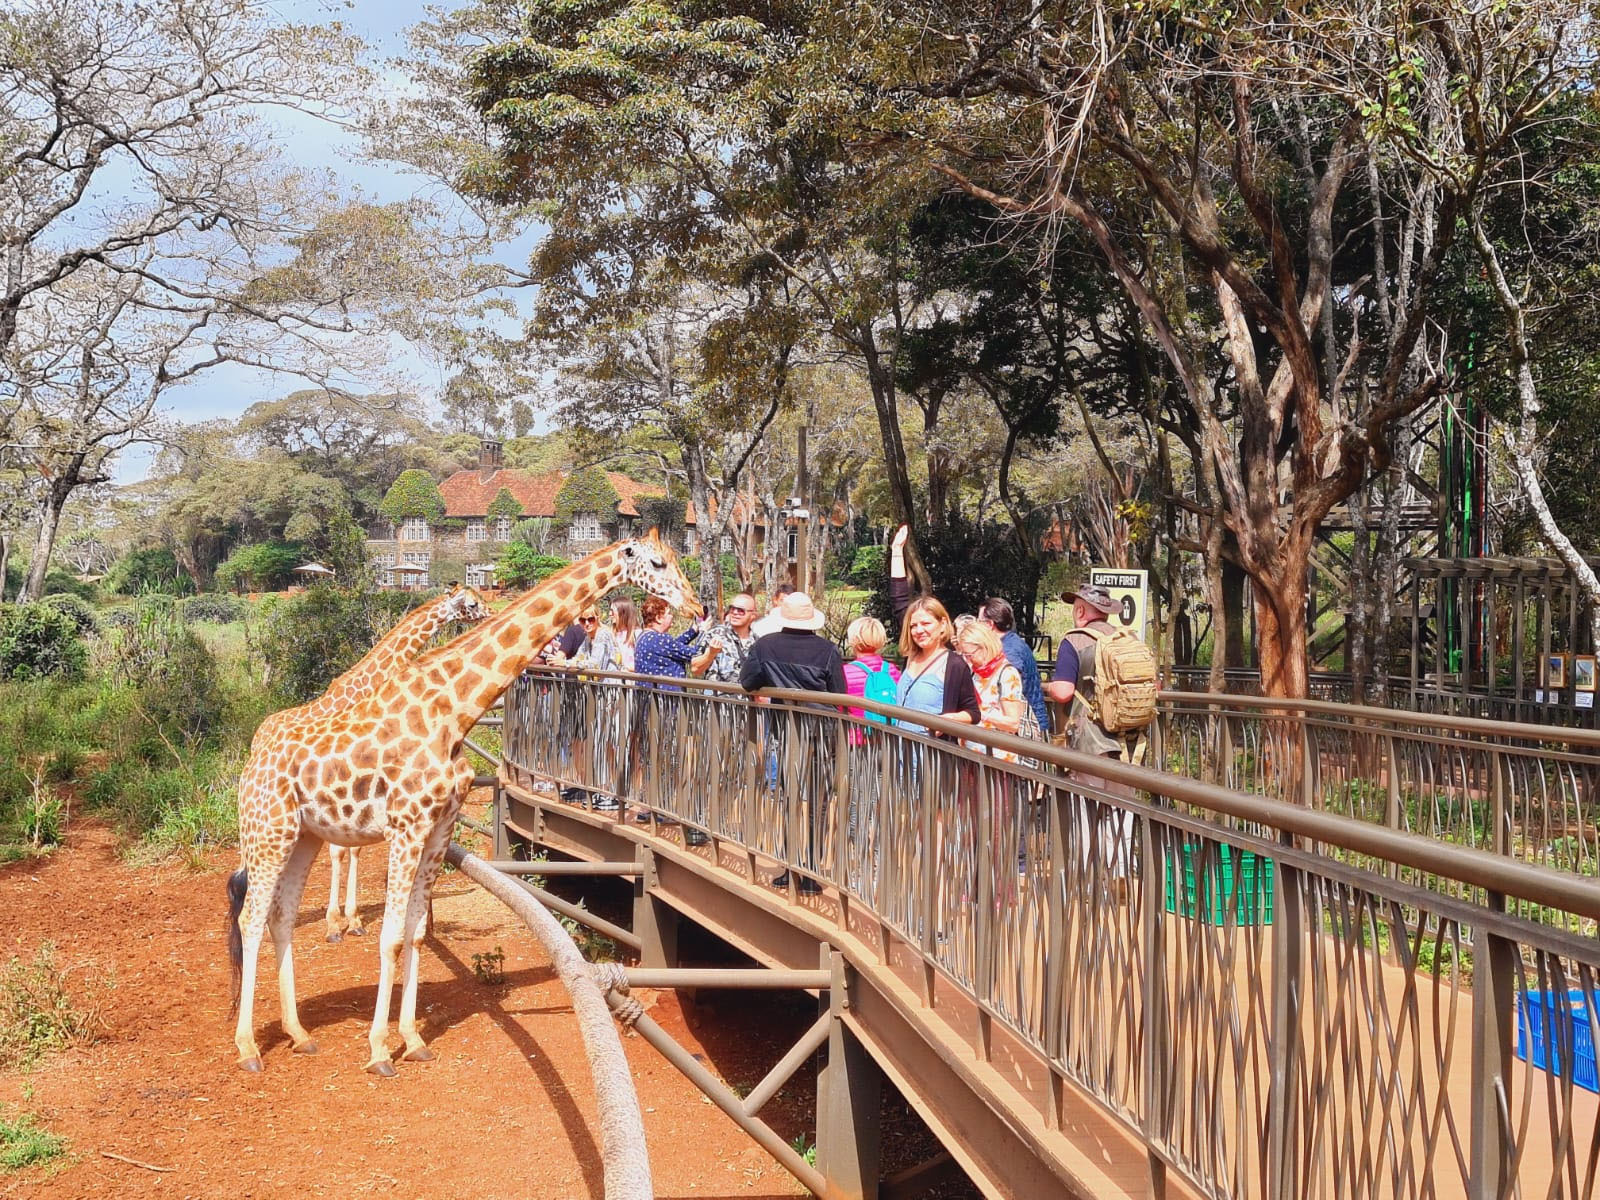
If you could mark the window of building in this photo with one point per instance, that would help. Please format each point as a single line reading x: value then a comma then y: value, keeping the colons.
x: 476, y: 530
x: 586, y: 528
x: 480, y: 575
x: 416, y: 558
x: 385, y: 578
x: 502, y: 529
x: 727, y: 543
x: 386, y: 559
x: 415, y: 529
x: 794, y: 543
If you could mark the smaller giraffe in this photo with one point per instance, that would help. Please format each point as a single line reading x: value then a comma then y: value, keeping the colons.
x: 400, y: 646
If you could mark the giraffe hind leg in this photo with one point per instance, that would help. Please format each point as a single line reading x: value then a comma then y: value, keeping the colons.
x: 336, y: 859
x: 352, y: 918
x: 285, y: 907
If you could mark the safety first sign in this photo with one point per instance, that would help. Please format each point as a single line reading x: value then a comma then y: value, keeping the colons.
x: 1131, y: 591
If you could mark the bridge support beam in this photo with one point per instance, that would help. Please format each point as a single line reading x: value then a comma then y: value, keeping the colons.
x: 655, y: 924
x: 849, y: 1099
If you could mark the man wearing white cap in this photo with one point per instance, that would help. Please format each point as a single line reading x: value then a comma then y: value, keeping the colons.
x: 795, y: 657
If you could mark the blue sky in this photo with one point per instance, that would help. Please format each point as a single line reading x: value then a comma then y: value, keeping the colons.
x: 306, y: 141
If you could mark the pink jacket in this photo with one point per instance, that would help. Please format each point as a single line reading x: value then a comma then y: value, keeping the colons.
x: 855, y: 676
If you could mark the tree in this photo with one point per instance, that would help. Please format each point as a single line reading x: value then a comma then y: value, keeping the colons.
x: 505, y: 504
x: 586, y: 490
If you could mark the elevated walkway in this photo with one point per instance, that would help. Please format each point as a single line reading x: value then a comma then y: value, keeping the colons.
x: 1128, y: 983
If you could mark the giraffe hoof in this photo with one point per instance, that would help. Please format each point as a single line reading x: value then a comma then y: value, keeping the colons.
x: 420, y: 1054
x: 252, y: 1065
x: 336, y: 937
x: 357, y: 931
x: 381, y: 1067
x: 309, y: 1046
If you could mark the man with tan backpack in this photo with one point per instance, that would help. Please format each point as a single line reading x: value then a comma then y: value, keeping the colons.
x: 1107, y: 677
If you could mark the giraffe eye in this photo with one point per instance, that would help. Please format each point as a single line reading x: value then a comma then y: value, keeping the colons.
x: 657, y: 563
x: 628, y: 551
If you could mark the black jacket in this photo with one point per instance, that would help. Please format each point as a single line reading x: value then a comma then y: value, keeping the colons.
x: 793, y: 658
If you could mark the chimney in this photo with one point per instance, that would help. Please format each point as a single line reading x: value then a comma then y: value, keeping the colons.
x: 488, y: 460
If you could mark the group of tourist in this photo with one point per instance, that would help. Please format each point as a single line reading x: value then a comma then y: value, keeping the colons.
x: 971, y: 670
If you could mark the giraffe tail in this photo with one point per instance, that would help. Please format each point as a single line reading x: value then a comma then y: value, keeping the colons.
x: 238, y: 884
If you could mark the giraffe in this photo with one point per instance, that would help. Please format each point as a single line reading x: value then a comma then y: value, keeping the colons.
x: 392, y: 768
x: 399, y: 646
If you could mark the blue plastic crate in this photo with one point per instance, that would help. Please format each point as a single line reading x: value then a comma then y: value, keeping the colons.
x: 1548, y: 1024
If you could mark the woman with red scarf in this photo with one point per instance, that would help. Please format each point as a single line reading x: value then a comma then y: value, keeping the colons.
x: 999, y: 684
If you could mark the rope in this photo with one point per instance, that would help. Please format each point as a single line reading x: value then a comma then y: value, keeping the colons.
x: 613, y: 978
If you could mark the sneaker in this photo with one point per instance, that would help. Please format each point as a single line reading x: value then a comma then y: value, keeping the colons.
x: 695, y: 837
x: 808, y: 886
x: 605, y: 803
x: 573, y: 795
x: 781, y: 882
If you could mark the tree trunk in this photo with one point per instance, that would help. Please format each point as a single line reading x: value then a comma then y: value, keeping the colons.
x: 885, y: 403
x: 1229, y: 621
x: 50, y: 510
x: 1281, y: 629
x: 5, y: 563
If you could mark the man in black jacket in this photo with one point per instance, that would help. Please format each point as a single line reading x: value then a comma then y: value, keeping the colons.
x: 796, y: 657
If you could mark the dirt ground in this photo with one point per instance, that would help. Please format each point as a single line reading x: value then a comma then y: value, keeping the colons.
x: 506, y: 1109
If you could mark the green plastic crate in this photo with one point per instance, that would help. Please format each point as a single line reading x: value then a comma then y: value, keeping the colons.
x: 1236, y: 888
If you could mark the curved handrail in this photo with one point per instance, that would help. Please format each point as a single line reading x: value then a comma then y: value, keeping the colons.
x: 623, y: 1152
x: 1479, y: 868
x: 1371, y: 715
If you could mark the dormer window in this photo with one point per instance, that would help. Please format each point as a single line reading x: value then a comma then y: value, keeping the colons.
x: 414, y: 529
x: 477, y: 531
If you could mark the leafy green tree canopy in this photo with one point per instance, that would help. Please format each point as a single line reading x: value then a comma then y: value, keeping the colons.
x: 414, y: 494
x: 586, y: 491
x: 264, y: 566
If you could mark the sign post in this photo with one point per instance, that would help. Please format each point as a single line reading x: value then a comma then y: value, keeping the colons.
x: 1131, y: 590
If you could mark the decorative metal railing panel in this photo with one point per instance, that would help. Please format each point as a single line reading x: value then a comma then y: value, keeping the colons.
x: 1529, y: 792
x: 1280, y: 1000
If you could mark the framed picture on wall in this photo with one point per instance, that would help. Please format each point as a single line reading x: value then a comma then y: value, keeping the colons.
x: 1583, y: 672
x: 1555, y: 671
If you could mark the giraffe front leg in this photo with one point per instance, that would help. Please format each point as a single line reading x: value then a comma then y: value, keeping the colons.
x: 416, y: 913
x: 285, y: 907
x: 352, y: 919
x: 405, y: 854
x: 336, y: 857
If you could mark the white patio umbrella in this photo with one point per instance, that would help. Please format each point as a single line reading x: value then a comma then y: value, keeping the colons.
x: 313, y: 568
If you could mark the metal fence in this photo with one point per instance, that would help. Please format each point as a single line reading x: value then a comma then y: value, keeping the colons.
x: 1529, y: 792
x: 1269, y: 1019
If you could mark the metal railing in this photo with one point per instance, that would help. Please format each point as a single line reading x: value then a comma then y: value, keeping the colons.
x: 1531, y: 792
x: 1270, y: 1019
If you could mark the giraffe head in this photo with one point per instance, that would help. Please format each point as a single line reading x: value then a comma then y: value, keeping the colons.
x: 650, y: 564
x: 463, y: 604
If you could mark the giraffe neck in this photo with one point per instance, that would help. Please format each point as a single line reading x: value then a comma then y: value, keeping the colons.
x: 469, y: 673
x: 399, y: 646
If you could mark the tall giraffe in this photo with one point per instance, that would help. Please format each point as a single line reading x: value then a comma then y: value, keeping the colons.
x: 409, y: 637
x: 391, y: 767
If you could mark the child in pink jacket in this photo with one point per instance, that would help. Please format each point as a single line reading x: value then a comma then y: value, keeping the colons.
x: 867, y: 674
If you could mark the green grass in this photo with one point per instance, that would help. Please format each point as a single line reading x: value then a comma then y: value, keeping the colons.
x: 24, y: 1143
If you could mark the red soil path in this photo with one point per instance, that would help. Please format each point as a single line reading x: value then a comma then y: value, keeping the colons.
x: 505, y: 1111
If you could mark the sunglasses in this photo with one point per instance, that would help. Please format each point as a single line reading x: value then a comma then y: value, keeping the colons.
x: 588, y: 620
x: 738, y: 608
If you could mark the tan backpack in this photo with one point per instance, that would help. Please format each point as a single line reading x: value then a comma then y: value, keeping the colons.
x: 1125, y: 681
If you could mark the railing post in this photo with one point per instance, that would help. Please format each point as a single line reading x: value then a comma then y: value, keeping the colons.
x: 1499, y: 819
x: 1153, y: 851
x: 983, y: 861
x: 1493, y: 1001
x: 497, y: 821
x: 655, y: 923
x: 843, y: 826
x: 849, y: 1096
x: 1283, y: 1056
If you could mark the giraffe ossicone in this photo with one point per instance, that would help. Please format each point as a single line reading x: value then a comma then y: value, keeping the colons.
x: 390, y: 767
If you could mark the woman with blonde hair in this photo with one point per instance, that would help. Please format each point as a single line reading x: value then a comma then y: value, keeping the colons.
x: 612, y: 647
x: 868, y: 674
x: 934, y: 680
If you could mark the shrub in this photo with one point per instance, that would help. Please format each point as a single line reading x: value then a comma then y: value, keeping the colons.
x: 59, y: 583
x: 150, y: 569
x: 36, y: 1014
x: 522, y: 566
x: 172, y: 673
x: 218, y: 608
x: 76, y: 607
x: 38, y: 641
x: 311, y: 639
x: 868, y: 566
x: 505, y: 504
x: 261, y: 567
